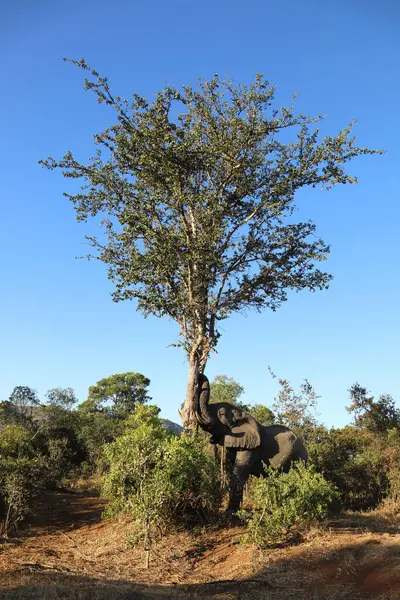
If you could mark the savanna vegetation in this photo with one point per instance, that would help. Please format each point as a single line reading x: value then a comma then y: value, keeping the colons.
x: 164, y: 480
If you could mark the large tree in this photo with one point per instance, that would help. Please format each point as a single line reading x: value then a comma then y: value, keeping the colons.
x: 123, y: 392
x: 196, y: 194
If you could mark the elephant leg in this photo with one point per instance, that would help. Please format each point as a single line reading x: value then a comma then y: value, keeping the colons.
x: 241, y: 469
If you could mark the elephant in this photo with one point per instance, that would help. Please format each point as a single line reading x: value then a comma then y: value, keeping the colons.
x: 248, y: 444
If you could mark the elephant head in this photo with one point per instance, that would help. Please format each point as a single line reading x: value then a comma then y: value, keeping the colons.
x: 228, y: 424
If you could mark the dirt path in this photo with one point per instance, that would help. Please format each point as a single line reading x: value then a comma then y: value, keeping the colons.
x: 68, y: 551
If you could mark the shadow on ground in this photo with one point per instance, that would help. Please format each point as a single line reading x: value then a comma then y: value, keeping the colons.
x: 63, y: 510
x: 370, y: 569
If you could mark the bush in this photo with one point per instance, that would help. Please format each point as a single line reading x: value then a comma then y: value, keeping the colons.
x: 161, y: 479
x: 354, y: 461
x: 284, y: 500
x: 392, y: 459
x: 20, y: 480
x: 15, y: 441
x: 186, y: 481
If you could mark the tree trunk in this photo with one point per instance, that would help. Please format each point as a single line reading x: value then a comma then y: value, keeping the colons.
x: 197, y: 363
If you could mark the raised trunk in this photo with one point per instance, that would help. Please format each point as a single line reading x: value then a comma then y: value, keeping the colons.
x: 202, y: 414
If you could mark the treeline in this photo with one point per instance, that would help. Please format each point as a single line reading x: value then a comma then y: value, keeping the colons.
x: 164, y: 478
x: 43, y: 443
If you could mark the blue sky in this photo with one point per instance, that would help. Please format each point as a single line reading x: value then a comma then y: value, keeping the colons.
x: 59, y: 326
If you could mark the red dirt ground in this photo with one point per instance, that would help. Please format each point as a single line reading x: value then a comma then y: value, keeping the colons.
x: 68, y: 551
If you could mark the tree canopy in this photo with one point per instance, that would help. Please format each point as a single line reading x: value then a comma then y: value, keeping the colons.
x: 196, y: 195
x: 122, y: 391
x: 375, y: 415
x: 225, y: 389
x: 63, y: 397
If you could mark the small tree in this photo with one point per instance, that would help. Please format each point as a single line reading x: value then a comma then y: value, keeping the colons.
x: 123, y: 390
x: 225, y: 389
x: 23, y: 396
x: 63, y: 397
x: 197, y: 190
x: 19, y: 408
x: 377, y: 416
x: 296, y: 410
x: 262, y: 414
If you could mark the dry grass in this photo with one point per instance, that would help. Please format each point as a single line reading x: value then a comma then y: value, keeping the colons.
x: 68, y: 552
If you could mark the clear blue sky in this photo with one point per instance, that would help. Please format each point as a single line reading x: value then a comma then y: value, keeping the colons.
x: 59, y: 326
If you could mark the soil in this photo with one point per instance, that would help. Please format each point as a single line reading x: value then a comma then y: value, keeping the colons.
x: 68, y: 551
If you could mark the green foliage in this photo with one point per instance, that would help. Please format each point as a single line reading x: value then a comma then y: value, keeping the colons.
x: 353, y: 460
x: 23, y: 396
x: 281, y: 501
x: 63, y: 397
x: 159, y: 478
x: 124, y: 391
x: 60, y: 458
x: 15, y: 442
x: 294, y: 409
x: 131, y: 459
x: 392, y: 459
x: 378, y: 416
x: 95, y: 431
x: 186, y: 481
x: 262, y: 414
x: 20, y: 481
x: 225, y: 389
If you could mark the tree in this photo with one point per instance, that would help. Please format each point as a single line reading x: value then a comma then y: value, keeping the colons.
x: 296, y: 410
x: 20, y: 405
x: 23, y: 396
x: 262, y: 414
x: 64, y: 397
x: 124, y: 390
x: 225, y: 389
x: 197, y: 189
x: 377, y: 416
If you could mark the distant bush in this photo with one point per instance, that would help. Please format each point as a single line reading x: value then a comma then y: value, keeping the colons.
x: 354, y: 461
x: 283, y: 500
x: 392, y: 459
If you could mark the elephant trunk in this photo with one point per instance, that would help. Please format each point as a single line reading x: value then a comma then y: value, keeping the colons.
x: 202, y: 414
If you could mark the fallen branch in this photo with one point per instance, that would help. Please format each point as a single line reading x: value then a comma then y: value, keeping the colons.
x: 42, y: 566
x: 75, y: 546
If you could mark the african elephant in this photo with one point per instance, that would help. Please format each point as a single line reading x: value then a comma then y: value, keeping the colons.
x: 248, y: 443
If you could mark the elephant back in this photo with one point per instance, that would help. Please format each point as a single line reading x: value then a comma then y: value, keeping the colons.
x: 281, y: 447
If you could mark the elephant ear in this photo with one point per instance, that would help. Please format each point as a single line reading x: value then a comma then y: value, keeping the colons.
x: 244, y: 435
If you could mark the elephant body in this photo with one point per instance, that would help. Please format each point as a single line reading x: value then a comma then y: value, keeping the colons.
x: 249, y: 445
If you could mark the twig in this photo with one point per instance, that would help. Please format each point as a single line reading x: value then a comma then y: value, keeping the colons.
x: 42, y: 566
x: 75, y: 546
x: 236, y: 583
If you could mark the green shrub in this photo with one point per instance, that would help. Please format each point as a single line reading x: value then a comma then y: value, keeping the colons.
x: 282, y: 500
x: 159, y: 478
x: 16, y: 441
x: 20, y: 481
x: 392, y: 459
x: 354, y: 461
x: 186, y: 481
x: 131, y: 459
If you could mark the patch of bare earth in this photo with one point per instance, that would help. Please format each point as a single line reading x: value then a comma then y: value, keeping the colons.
x: 67, y: 551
